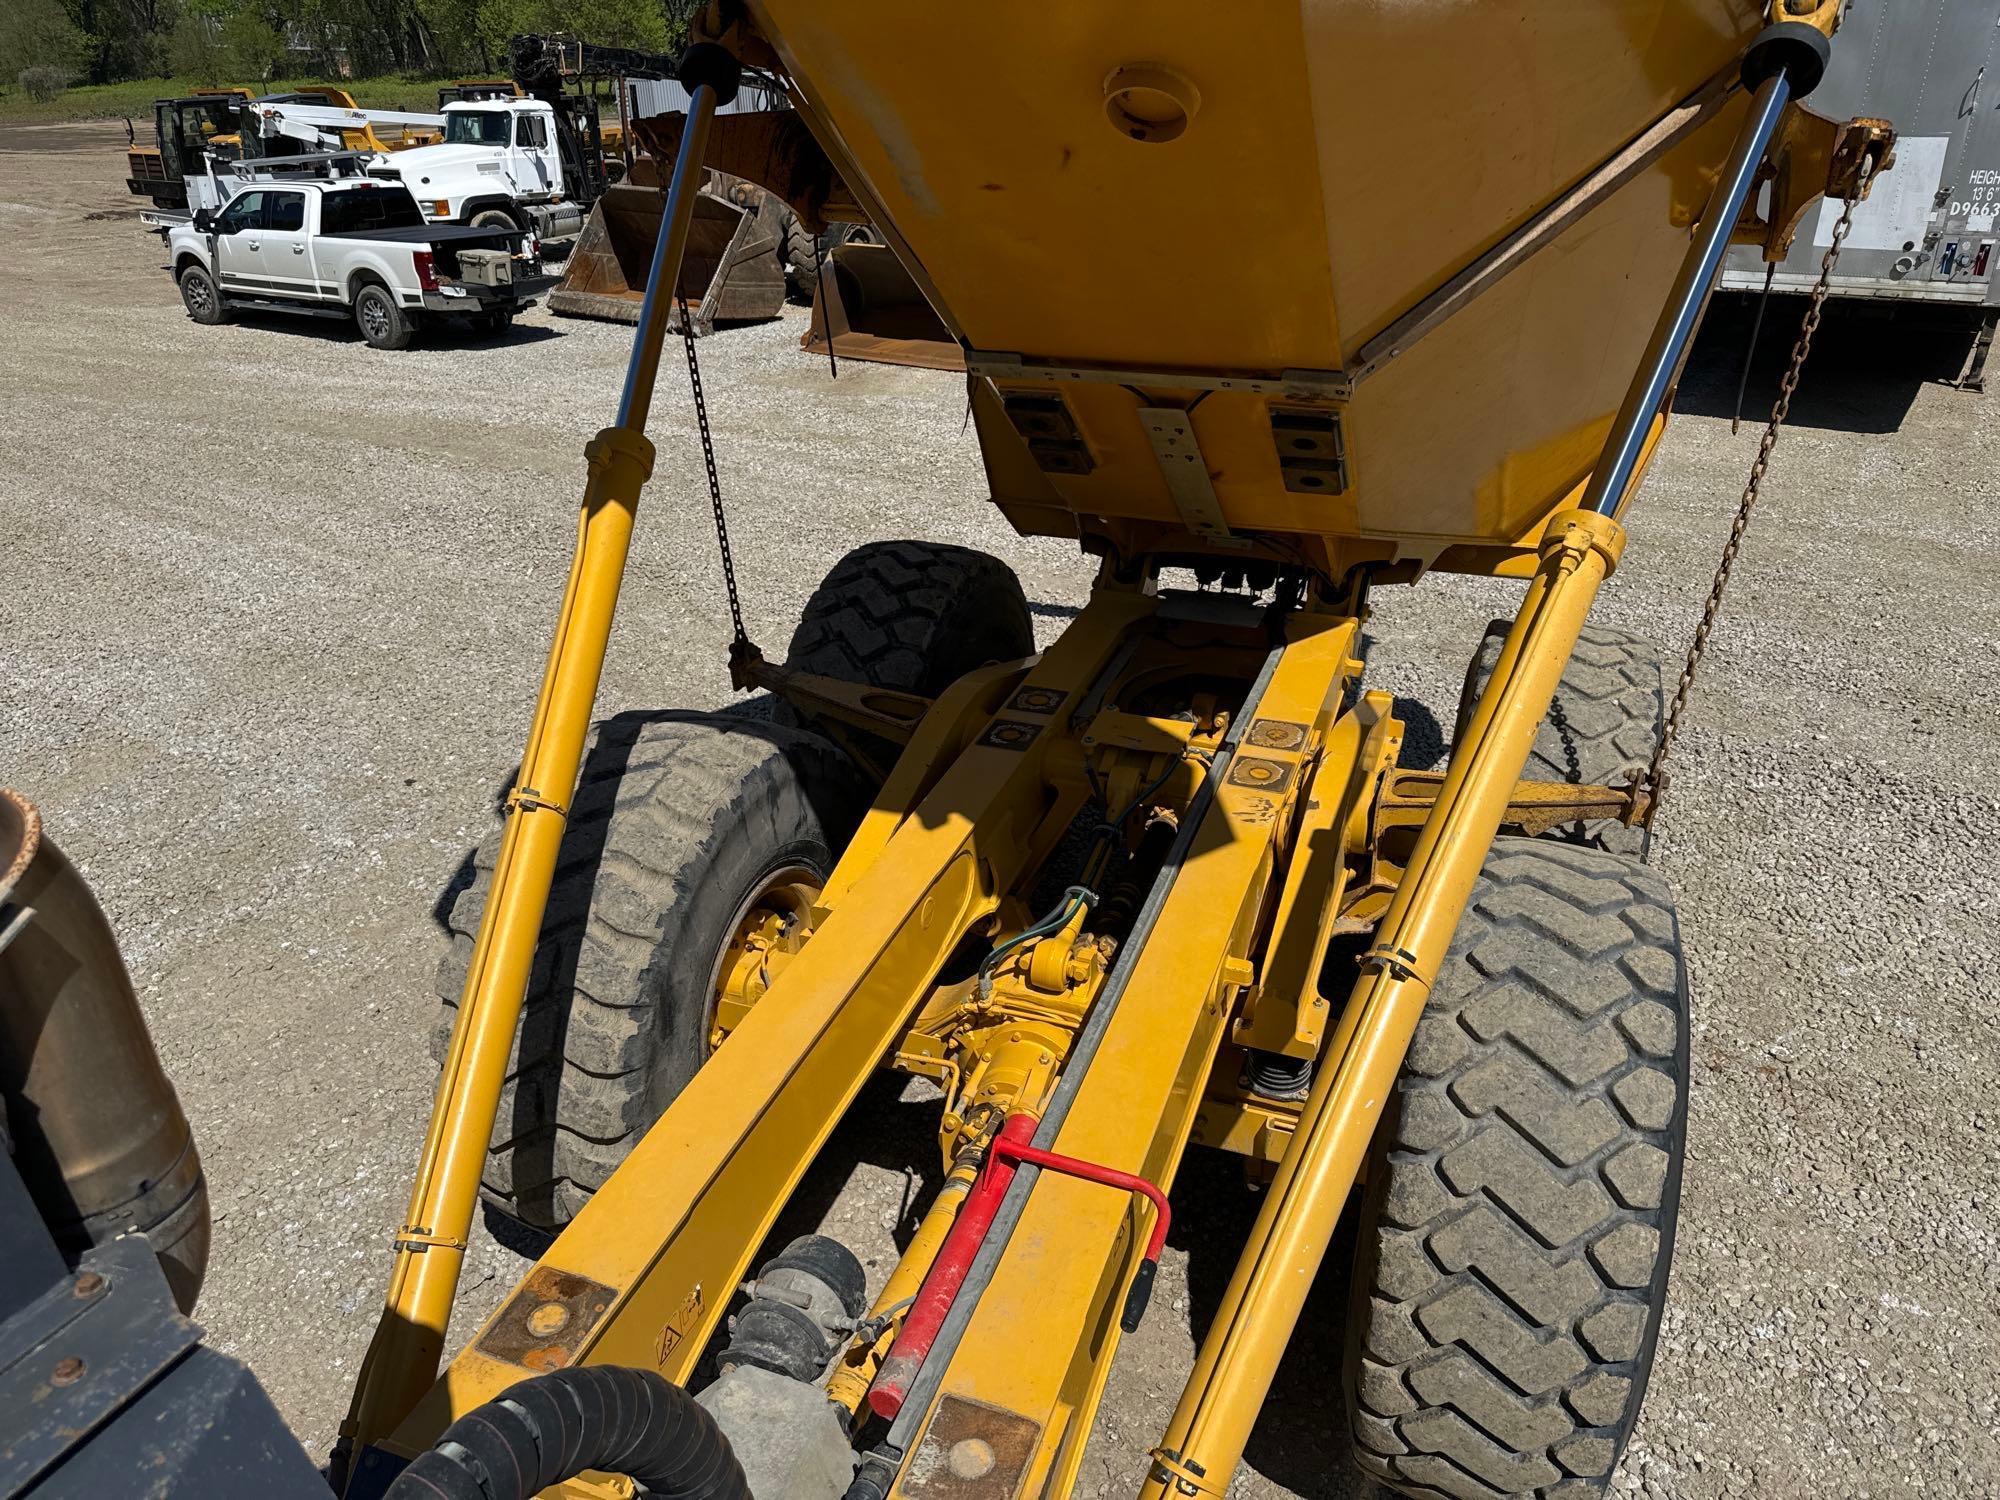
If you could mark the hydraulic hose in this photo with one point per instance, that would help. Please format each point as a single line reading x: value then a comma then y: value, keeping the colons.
x: 553, y: 1427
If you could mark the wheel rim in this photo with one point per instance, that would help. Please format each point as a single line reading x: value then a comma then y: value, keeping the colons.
x: 774, y: 920
x: 194, y: 291
x: 374, y: 317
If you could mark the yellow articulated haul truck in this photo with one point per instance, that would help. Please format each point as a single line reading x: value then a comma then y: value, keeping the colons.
x: 1420, y: 283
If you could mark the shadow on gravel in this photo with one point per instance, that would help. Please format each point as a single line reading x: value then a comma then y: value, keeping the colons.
x: 454, y: 333
x: 1054, y: 611
x: 1301, y: 1441
x: 1868, y: 362
x: 1424, y: 744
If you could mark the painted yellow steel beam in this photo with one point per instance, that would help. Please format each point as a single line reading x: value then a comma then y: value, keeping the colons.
x: 664, y: 1242
x: 1248, y: 1336
x: 1039, y: 1344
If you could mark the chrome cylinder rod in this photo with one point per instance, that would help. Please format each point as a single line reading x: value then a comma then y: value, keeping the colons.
x: 662, y: 280
x: 1612, y: 477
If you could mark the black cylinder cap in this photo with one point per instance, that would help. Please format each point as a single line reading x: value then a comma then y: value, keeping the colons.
x: 829, y: 1260
x: 716, y: 66
x: 1800, y: 51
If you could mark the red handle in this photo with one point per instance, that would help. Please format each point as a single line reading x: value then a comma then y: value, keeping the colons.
x: 1141, y: 1293
x: 968, y: 1231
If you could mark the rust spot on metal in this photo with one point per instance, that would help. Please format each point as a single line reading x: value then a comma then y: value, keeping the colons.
x: 546, y: 1321
x: 971, y: 1451
x: 1277, y: 734
x: 1264, y: 775
x: 67, y: 1371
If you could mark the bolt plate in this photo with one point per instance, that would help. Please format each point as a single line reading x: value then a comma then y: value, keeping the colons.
x: 535, y: 1304
x: 1001, y: 1443
x: 1010, y: 734
x: 1264, y: 775
x: 1277, y: 734
x: 1033, y: 700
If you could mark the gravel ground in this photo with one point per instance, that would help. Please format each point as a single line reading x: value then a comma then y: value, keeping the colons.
x: 275, y: 607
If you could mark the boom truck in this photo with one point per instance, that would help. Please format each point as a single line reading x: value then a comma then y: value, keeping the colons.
x: 1165, y: 883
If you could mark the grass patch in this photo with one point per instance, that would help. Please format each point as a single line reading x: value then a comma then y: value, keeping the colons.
x: 134, y: 99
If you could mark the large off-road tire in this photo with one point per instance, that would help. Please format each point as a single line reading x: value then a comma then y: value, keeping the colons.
x: 1516, y: 1231
x: 913, y: 617
x: 679, y: 821
x: 1602, y: 724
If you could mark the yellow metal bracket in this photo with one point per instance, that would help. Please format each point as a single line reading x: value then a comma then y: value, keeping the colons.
x: 1813, y: 157
x: 882, y: 712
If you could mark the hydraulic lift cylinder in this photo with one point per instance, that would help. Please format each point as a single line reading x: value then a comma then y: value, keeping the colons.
x: 430, y: 1249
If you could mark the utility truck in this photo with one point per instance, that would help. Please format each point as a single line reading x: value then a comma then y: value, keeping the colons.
x: 344, y: 248
x: 512, y: 163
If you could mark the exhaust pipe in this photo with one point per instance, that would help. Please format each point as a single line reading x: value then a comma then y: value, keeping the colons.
x: 94, y: 1126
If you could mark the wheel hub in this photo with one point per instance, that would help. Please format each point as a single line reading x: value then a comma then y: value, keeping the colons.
x: 770, y: 928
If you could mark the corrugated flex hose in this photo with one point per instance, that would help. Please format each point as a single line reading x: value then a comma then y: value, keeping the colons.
x: 553, y: 1427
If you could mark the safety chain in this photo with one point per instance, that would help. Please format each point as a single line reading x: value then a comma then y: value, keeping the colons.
x: 742, y: 637
x: 1654, y: 781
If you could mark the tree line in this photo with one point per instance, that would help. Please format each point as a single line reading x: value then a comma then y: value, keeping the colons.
x: 247, y: 41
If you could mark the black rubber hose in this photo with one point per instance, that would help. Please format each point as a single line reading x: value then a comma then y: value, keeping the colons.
x: 553, y: 1427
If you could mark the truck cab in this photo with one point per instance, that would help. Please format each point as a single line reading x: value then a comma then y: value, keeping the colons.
x: 501, y: 162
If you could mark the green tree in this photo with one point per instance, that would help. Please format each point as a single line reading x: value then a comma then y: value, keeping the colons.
x: 251, y: 46
x: 195, y: 48
x: 40, y: 34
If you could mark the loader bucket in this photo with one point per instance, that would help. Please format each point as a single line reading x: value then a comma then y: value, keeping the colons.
x: 877, y: 313
x: 732, y: 273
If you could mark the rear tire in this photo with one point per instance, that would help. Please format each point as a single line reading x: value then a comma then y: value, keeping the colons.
x: 798, y: 251
x: 1518, y: 1225
x: 201, y: 297
x: 383, y: 324
x: 677, y: 819
x: 913, y: 617
x: 496, y: 324
x: 1602, y: 724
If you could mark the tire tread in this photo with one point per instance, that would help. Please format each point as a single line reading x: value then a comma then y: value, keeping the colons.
x: 1518, y: 1225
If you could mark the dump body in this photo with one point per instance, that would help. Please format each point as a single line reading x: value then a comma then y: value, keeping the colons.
x: 1337, y: 164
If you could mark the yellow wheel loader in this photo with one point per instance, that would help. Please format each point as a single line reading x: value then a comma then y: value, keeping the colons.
x: 1424, y: 277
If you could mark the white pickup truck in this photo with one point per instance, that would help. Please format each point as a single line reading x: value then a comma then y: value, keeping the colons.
x: 347, y: 247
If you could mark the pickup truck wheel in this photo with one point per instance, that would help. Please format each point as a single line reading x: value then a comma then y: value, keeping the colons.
x: 695, y: 846
x: 381, y: 322
x: 494, y: 324
x: 200, y: 297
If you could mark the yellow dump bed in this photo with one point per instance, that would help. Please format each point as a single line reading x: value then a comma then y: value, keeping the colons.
x: 1188, y: 218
